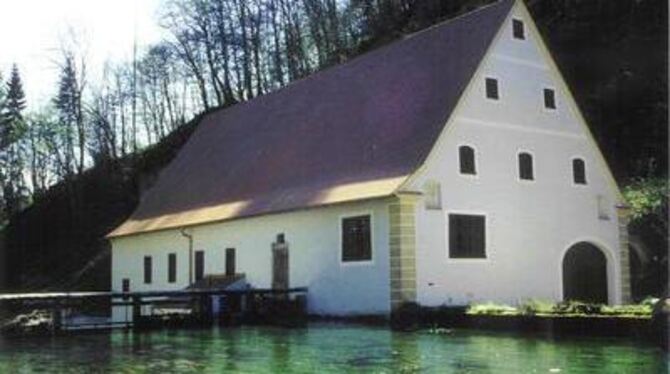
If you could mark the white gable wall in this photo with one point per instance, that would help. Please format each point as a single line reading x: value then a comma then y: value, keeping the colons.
x: 530, y: 224
x: 314, y: 257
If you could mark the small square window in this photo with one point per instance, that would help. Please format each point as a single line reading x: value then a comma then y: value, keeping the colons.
x: 492, y: 88
x: 467, y: 236
x: 518, y: 29
x: 549, y: 98
x: 356, y: 243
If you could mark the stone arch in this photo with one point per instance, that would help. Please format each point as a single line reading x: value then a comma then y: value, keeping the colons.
x: 585, y: 273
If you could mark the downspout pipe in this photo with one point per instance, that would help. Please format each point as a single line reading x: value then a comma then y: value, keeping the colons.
x: 184, y: 232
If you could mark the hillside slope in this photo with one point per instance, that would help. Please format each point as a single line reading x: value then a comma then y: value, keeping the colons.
x: 59, y: 241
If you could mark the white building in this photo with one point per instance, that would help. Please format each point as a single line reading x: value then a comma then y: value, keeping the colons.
x: 451, y: 167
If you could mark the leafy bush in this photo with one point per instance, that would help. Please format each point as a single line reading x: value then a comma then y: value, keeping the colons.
x: 492, y: 309
x: 565, y: 308
x: 638, y: 310
x: 647, y: 197
x: 534, y: 307
x: 577, y: 308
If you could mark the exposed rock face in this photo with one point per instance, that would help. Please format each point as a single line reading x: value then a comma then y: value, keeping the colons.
x: 660, y: 322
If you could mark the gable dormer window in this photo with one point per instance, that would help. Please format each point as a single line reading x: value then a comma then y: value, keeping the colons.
x: 466, y: 158
x: 518, y: 29
x: 549, y: 98
x: 492, y: 89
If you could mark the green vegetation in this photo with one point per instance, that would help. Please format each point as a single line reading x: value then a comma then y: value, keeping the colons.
x: 492, y: 309
x: 564, y: 309
x: 648, y: 229
x: 647, y: 196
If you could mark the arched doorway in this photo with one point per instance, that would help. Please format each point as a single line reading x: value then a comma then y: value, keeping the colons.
x: 585, y: 274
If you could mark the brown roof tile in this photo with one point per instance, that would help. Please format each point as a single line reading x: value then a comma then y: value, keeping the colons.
x: 354, y: 131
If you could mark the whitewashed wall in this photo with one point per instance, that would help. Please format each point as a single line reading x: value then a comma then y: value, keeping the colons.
x: 529, y: 225
x: 314, y: 256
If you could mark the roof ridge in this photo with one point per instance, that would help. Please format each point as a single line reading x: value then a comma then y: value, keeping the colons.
x: 452, y: 19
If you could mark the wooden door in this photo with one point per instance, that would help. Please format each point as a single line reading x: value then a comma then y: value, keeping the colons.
x: 280, y: 269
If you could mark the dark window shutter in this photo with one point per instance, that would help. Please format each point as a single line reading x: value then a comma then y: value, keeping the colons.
x: 578, y: 171
x: 356, y: 239
x: 526, y: 166
x: 172, y: 267
x: 518, y: 29
x: 549, y: 98
x: 147, y: 269
x: 492, y: 89
x: 467, y: 236
x: 199, y: 265
x: 466, y: 156
x: 230, y: 261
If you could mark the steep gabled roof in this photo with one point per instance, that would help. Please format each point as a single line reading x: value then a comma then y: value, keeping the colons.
x: 355, y: 131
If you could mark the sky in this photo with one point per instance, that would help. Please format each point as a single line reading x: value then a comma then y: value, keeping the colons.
x: 31, y: 32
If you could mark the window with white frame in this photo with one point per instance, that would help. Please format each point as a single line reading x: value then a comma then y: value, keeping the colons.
x: 467, y: 236
x: 492, y: 91
x: 549, y: 98
x: 526, y: 171
x: 356, y: 239
x: 466, y: 160
x: 578, y: 171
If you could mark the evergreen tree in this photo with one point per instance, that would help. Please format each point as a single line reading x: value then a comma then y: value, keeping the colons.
x: 11, y: 130
x: 16, y: 98
x: 3, y: 96
x: 68, y: 106
x: 11, y: 109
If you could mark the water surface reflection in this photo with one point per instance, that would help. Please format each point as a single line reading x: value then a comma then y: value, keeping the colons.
x: 325, y: 348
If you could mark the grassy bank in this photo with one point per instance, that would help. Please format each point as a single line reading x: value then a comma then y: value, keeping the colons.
x: 564, y: 309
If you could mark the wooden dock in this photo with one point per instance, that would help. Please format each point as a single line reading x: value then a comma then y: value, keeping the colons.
x: 153, y: 309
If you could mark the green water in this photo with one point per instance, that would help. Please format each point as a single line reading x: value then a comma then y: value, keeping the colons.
x: 325, y: 348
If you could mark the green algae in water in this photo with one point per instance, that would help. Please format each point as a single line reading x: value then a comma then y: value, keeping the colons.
x: 325, y: 348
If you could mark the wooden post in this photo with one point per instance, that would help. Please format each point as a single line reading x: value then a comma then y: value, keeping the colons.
x: 137, y: 311
x: 205, y: 309
x: 280, y: 264
x: 56, y: 317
